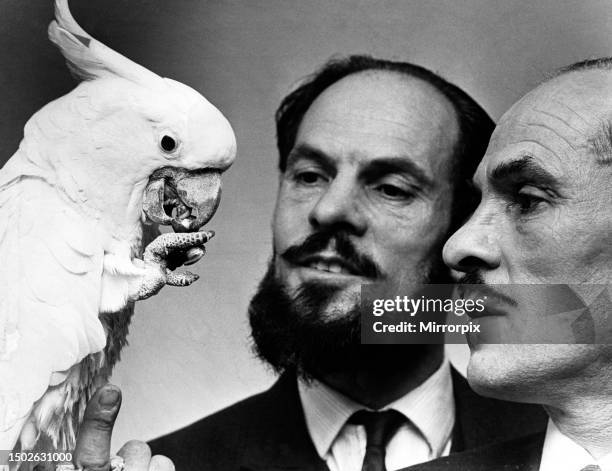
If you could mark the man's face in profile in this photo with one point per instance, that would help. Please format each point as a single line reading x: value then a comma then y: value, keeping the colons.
x: 545, y: 217
x: 366, y: 196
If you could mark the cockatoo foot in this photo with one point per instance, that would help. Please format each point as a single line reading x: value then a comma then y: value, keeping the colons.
x: 161, y: 255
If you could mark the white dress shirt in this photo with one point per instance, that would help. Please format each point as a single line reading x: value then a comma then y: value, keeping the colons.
x: 561, y: 453
x: 430, y: 413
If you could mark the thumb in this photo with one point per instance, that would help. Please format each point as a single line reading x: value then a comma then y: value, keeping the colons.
x: 92, y: 451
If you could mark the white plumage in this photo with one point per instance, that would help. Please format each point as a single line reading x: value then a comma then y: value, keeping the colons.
x: 74, y: 201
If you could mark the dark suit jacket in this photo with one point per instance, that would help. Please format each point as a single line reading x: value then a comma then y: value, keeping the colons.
x: 268, y: 432
x: 522, y: 454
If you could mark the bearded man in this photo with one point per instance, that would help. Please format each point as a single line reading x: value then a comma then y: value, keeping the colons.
x: 375, y: 159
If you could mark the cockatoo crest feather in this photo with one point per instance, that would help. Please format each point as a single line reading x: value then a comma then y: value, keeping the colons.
x: 89, y: 59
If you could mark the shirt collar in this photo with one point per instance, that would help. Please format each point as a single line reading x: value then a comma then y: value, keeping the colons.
x: 430, y: 407
x: 562, y: 453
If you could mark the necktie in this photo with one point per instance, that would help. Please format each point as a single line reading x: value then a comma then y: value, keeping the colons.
x: 379, y: 427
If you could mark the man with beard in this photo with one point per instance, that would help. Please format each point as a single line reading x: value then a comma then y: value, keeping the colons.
x: 545, y: 220
x: 375, y: 159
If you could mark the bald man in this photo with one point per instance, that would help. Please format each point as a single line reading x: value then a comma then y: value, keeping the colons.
x: 545, y: 218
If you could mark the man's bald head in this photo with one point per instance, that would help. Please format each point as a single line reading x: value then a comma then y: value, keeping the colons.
x: 572, y: 110
x: 601, y: 140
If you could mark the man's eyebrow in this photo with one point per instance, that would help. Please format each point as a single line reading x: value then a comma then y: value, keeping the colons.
x: 304, y: 151
x: 382, y: 166
x: 600, y: 143
x: 522, y: 170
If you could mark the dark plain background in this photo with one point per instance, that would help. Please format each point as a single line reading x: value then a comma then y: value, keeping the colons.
x: 189, y: 352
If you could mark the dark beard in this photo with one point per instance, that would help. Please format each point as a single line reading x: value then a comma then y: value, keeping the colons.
x: 290, y: 332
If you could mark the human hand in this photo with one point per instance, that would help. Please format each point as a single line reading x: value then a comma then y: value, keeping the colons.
x: 92, y: 451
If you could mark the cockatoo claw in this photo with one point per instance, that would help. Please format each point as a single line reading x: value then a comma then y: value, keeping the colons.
x: 187, y: 245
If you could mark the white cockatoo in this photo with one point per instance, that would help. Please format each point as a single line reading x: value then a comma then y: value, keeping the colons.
x: 125, y: 149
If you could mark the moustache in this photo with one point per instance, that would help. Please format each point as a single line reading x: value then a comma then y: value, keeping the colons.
x: 471, y: 278
x: 475, y: 278
x: 345, y: 249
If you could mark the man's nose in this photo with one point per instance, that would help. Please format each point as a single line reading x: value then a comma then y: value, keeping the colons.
x: 473, y: 247
x: 338, y: 207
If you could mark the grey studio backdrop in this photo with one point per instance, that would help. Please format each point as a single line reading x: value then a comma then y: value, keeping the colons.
x: 189, y: 351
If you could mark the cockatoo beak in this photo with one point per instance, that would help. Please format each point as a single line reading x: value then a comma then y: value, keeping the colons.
x: 183, y: 199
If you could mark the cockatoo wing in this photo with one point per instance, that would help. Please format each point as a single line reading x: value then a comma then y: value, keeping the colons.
x: 50, y: 275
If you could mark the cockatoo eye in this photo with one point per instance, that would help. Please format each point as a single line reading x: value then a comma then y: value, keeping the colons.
x: 168, y: 143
